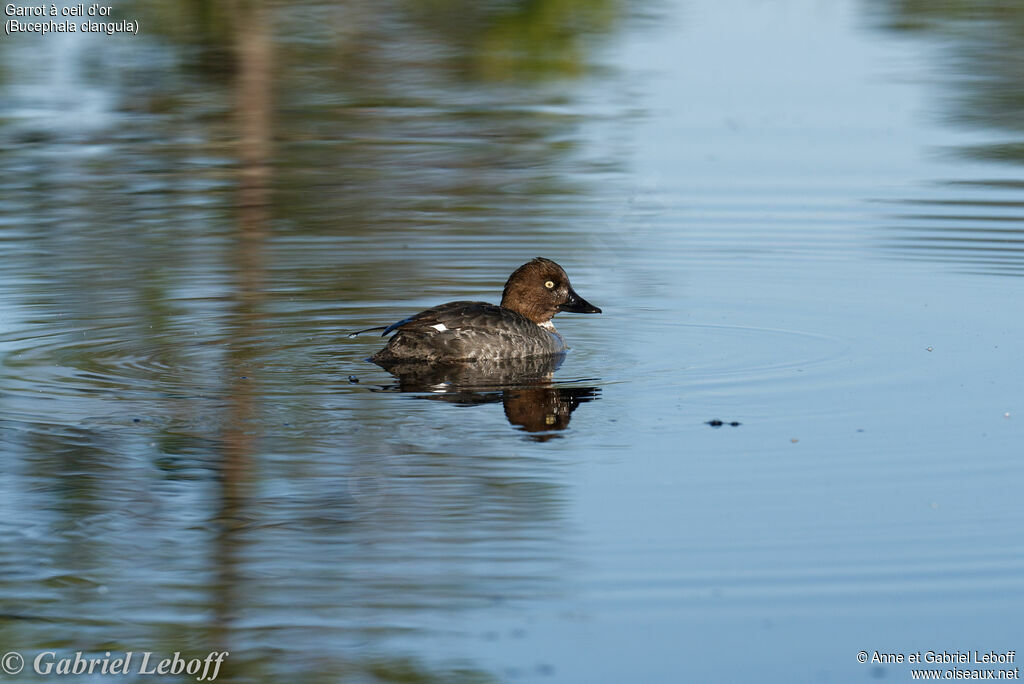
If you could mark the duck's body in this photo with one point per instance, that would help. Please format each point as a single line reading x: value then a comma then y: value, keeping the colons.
x: 463, y: 331
x: 520, y: 327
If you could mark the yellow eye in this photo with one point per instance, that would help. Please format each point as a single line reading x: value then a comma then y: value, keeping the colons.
x: 550, y: 284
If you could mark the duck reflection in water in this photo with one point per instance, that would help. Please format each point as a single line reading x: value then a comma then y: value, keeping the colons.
x: 524, y: 386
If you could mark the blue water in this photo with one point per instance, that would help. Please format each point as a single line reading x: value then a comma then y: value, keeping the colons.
x: 799, y: 217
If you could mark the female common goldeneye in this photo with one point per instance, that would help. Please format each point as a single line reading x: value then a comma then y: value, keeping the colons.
x: 464, y: 331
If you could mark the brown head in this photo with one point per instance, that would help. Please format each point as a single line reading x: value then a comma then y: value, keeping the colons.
x: 539, y: 289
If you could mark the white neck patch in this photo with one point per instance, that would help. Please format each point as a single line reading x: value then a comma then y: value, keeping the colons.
x: 547, y: 325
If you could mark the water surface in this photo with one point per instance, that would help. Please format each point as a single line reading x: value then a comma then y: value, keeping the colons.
x: 799, y: 217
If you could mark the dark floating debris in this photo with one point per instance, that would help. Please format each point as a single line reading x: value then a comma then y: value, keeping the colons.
x: 715, y: 423
x: 353, y: 380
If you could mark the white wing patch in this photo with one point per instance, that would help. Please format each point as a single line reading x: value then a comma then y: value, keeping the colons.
x: 440, y: 327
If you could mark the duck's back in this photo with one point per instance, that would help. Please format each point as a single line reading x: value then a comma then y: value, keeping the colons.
x: 466, y: 331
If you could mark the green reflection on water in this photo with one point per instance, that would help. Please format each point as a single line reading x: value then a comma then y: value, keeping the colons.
x: 978, y: 74
x: 985, y: 66
x: 225, y: 492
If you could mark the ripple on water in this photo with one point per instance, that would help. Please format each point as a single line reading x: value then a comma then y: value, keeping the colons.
x: 711, y: 357
x: 72, y: 374
x: 972, y: 227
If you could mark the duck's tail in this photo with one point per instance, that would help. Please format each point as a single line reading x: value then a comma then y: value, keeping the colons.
x: 360, y: 332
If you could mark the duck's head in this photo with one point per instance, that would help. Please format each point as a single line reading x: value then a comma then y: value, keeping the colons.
x: 539, y: 289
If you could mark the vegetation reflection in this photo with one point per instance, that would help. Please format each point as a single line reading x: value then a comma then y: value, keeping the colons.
x: 208, y: 481
x: 972, y: 222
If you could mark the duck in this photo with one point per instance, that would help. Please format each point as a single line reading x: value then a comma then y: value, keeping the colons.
x: 460, y: 331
